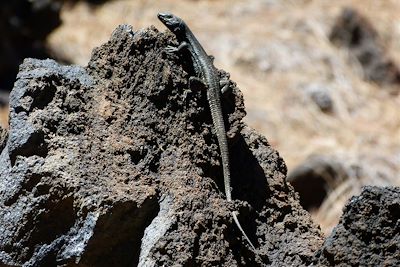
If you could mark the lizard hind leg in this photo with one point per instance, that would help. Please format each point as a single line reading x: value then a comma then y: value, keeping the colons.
x: 225, y: 86
x: 195, y: 83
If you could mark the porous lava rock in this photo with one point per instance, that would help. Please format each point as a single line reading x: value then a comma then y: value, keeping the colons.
x: 3, y: 137
x: 117, y: 164
x: 368, y: 233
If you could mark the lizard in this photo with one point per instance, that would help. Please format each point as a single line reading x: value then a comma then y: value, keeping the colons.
x: 207, y: 74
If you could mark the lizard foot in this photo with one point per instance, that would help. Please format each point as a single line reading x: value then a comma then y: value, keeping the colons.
x: 173, y: 50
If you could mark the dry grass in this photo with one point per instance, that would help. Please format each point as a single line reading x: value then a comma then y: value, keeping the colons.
x: 273, y: 50
x: 4, y: 117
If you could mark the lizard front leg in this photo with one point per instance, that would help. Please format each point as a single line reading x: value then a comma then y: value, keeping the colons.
x: 173, y: 49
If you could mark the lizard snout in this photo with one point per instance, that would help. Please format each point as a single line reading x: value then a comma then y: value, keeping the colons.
x: 164, y: 16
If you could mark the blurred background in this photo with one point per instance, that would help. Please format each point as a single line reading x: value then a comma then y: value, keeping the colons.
x: 321, y: 79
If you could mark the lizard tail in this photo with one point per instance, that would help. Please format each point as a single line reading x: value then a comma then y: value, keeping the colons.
x: 235, y: 218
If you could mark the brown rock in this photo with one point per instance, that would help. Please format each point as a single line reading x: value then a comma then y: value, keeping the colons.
x: 116, y: 164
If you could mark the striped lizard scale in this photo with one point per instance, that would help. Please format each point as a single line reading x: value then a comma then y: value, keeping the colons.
x: 205, y: 70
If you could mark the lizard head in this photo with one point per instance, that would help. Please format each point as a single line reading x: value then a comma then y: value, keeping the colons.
x: 172, y: 22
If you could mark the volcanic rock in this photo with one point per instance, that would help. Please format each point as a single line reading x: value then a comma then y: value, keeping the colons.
x: 368, y: 233
x: 117, y: 164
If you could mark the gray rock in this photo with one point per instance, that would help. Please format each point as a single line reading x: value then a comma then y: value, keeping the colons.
x: 320, y: 94
x: 3, y: 138
x: 114, y: 165
x: 368, y: 233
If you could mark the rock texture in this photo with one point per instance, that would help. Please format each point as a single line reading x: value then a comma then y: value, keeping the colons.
x: 3, y: 138
x: 368, y: 233
x: 116, y: 164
